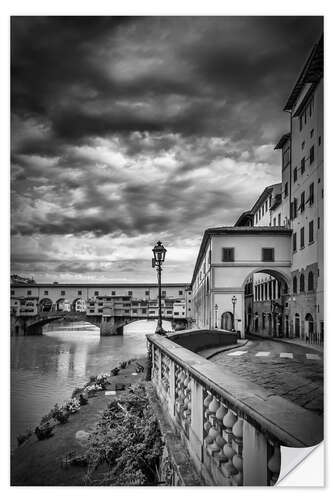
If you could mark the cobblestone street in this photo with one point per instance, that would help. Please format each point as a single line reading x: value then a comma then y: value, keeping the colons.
x: 291, y: 371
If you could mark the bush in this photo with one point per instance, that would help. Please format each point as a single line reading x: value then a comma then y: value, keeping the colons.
x: 123, y: 364
x: 126, y: 443
x: 62, y: 416
x: 115, y: 371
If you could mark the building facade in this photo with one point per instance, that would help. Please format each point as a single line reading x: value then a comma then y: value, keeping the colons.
x: 306, y: 199
x: 135, y: 300
x: 289, y: 304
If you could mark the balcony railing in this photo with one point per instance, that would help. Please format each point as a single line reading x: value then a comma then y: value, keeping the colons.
x: 232, y: 429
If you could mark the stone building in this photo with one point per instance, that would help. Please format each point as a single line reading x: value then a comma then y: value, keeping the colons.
x: 274, y: 300
x: 299, y: 206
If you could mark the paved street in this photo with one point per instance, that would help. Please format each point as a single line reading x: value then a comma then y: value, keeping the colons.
x: 291, y: 371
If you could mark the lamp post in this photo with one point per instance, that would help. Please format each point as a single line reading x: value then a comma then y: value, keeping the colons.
x: 216, y: 308
x: 159, y: 256
x: 233, y: 300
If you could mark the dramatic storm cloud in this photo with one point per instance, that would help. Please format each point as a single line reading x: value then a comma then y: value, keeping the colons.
x: 129, y: 130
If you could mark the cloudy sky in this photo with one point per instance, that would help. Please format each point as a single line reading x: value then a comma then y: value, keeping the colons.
x: 130, y: 130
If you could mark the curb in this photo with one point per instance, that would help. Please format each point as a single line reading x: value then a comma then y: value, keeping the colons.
x: 228, y: 348
x: 305, y: 346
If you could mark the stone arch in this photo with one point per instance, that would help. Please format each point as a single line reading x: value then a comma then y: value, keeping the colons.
x: 309, y: 327
x: 62, y: 304
x: 79, y: 301
x: 268, y: 298
x: 277, y: 274
x: 45, y: 305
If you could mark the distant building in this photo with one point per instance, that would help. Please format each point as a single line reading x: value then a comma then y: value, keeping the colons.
x: 80, y: 305
x: 23, y: 306
x: 16, y: 279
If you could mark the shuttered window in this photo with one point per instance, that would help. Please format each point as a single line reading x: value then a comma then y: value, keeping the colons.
x: 302, y: 237
x: 268, y: 254
x: 311, y: 231
x: 228, y: 254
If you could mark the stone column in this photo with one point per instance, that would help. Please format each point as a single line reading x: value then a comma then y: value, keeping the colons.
x: 196, y: 427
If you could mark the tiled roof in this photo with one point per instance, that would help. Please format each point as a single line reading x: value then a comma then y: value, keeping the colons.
x: 312, y: 72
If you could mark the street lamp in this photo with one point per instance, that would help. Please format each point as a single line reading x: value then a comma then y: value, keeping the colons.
x: 216, y: 308
x: 233, y: 300
x: 159, y: 255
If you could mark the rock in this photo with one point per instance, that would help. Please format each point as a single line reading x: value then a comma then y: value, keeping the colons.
x: 82, y: 437
x: 83, y: 399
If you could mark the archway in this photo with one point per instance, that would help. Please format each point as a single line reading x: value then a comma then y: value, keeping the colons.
x: 297, y: 326
x: 227, y: 321
x: 309, y: 328
x: 63, y: 305
x: 45, y: 305
x: 266, y: 294
x: 79, y: 305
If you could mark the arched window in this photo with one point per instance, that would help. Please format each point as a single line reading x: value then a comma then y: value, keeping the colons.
x: 310, y: 281
x: 295, y: 284
x: 301, y: 283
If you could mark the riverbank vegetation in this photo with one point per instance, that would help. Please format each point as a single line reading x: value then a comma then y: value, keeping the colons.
x: 111, y: 436
x: 59, y: 414
x: 126, y: 447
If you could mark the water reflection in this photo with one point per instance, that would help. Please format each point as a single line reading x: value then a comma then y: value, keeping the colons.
x: 46, y: 369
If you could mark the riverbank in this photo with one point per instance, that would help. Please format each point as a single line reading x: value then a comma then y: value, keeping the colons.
x: 47, y: 462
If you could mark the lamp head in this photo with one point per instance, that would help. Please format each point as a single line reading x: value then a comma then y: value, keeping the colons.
x: 159, y: 253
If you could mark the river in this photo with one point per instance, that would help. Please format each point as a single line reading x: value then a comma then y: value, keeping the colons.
x: 46, y: 369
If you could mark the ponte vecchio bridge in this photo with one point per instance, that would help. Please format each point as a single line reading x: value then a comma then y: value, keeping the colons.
x: 109, y: 306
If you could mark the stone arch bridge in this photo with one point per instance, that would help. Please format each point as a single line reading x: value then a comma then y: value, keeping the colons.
x: 109, y: 325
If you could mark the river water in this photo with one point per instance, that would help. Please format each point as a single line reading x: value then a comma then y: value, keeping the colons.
x: 45, y: 370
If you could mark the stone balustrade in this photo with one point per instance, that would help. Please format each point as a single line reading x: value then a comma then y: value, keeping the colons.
x: 232, y: 429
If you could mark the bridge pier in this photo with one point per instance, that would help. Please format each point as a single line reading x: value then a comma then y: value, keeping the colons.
x: 20, y: 327
x: 110, y: 326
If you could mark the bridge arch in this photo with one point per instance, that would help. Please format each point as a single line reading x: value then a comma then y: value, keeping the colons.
x: 45, y: 305
x: 63, y: 304
x: 79, y: 305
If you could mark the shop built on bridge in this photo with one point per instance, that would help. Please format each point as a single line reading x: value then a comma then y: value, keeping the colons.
x: 108, y: 306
